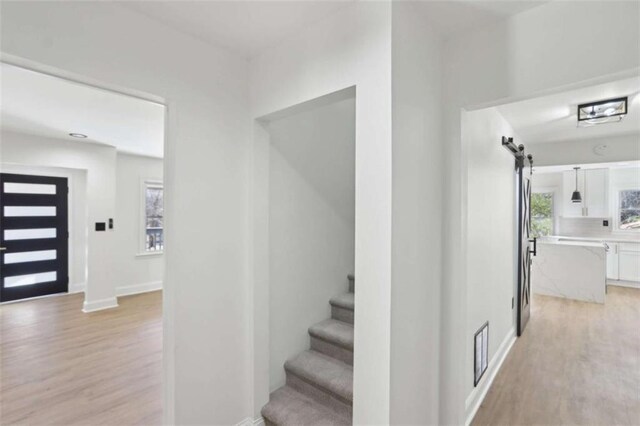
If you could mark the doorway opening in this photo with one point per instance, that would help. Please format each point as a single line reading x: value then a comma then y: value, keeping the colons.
x: 306, y: 210
x: 82, y: 219
x: 583, y: 216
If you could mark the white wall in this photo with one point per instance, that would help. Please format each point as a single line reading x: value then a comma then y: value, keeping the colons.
x: 130, y: 273
x: 206, y: 164
x: 99, y: 162
x: 417, y: 218
x: 491, y: 238
x: 515, y: 59
x: 134, y: 272
x: 205, y: 175
x: 619, y: 148
x: 349, y: 48
x: 77, y: 215
x: 311, y: 223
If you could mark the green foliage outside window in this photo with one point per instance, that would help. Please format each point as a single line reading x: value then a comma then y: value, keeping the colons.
x: 541, y: 214
x: 630, y: 209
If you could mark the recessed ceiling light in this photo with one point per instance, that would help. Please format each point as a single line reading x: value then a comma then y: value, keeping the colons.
x: 78, y: 135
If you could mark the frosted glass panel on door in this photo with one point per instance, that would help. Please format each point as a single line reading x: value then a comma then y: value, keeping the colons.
x: 30, y: 256
x: 20, y: 280
x: 28, y: 188
x: 29, y: 234
x: 12, y: 211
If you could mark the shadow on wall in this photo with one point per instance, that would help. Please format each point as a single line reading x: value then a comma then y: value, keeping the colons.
x: 320, y: 146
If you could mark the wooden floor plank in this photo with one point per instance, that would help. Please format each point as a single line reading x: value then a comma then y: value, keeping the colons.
x: 60, y: 366
x: 577, y: 363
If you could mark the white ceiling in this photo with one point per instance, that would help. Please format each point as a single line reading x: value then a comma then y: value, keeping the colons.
x: 247, y: 27
x: 42, y: 105
x: 553, y: 118
x: 453, y: 16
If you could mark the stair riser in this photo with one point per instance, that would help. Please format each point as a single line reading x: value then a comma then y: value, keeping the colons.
x: 342, y: 314
x: 321, y: 395
x: 334, y: 351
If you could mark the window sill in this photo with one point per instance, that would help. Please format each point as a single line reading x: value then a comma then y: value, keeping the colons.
x: 150, y: 254
x: 626, y: 232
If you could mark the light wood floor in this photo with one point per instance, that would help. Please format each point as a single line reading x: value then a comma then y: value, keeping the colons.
x: 60, y: 366
x: 576, y: 364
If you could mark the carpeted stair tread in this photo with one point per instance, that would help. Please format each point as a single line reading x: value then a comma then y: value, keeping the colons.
x: 344, y: 301
x: 288, y: 407
x: 336, y: 332
x: 325, y: 372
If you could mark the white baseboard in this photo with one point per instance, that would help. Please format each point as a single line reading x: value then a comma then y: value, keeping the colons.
x: 77, y: 287
x: 629, y: 284
x: 112, y: 302
x: 99, y: 305
x: 478, y: 393
x: 127, y: 290
x: 252, y: 422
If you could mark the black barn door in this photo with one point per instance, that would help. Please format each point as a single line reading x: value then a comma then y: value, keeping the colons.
x: 33, y: 236
x: 524, y: 252
x: 524, y: 173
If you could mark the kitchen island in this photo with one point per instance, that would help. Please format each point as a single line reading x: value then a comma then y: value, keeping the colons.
x: 570, y: 269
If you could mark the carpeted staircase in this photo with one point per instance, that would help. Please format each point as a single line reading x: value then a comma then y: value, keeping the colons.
x: 319, y: 387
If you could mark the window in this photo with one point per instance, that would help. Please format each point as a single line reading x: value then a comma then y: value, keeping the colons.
x: 541, y: 214
x: 154, y: 217
x: 629, y: 209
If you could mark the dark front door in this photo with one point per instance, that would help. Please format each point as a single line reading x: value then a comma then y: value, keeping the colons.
x: 33, y: 236
x: 524, y: 248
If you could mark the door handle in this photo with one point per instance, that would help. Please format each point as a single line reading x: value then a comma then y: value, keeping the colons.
x: 535, y: 246
x: 3, y: 248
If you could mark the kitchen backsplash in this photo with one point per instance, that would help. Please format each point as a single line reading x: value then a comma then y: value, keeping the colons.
x: 584, y: 227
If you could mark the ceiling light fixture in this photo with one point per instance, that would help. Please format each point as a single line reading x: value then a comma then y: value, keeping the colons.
x: 78, y: 135
x: 600, y: 112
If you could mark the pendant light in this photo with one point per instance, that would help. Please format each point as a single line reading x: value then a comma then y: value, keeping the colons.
x: 576, y: 197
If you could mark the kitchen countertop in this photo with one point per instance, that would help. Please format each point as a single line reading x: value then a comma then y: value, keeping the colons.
x: 614, y: 239
x: 573, y: 243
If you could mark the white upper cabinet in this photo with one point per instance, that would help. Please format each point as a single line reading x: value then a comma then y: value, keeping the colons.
x: 593, y: 185
x: 597, y: 193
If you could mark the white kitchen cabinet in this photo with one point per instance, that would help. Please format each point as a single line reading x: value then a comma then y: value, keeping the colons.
x: 612, y: 262
x: 629, y: 262
x: 593, y: 185
x: 629, y: 266
x: 623, y: 262
x: 596, y: 193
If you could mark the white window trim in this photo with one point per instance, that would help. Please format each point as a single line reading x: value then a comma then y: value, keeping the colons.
x: 142, y: 240
x: 616, y: 209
